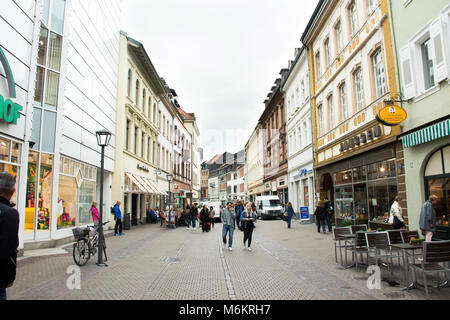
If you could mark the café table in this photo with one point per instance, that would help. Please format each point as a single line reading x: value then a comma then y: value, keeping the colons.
x: 405, y: 247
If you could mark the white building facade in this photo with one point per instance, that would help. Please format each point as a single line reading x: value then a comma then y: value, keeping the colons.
x: 299, y: 133
x: 62, y: 60
x: 254, y: 163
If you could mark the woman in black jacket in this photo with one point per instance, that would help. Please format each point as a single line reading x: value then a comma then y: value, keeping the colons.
x: 321, y: 215
x: 204, y: 217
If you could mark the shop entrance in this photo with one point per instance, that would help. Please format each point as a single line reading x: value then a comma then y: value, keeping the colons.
x: 326, y: 189
x: 134, y: 209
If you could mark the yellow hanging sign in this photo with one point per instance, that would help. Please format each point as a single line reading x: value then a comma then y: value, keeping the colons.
x: 392, y: 115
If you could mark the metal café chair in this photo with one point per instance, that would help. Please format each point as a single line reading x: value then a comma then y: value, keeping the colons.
x: 379, y: 245
x: 338, y: 234
x: 434, y: 252
x: 359, y: 247
x: 359, y: 227
x: 395, y: 237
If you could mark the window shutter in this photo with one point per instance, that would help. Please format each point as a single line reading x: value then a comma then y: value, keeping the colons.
x: 440, y: 59
x: 409, y: 88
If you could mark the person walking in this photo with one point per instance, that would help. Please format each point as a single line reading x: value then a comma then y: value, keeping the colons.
x: 212, y: 215
x: 228, y: 221
x: 9, y: 233
x: 248, y: 218
x: 239, y: 208
x: 118, y: 218
x: 395, y: 216
x: 290, y: 214
x: 204, y: 216
x: 427, y: 220
x: 95, y: 217
x: 330, y: 212
x: 321, y: 215
x: 194, y: 214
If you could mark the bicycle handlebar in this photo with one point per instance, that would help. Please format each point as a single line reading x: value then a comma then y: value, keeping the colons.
x: 104, y: 223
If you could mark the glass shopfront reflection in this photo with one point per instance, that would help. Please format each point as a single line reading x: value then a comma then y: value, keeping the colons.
x: 365, y: 193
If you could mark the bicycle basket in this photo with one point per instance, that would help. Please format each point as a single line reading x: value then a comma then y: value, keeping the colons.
x: 80, y: 232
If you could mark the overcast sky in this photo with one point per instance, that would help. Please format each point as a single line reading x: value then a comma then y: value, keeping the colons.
x: 221, y: 56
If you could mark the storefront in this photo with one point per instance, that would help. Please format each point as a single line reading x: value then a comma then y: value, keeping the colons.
x: 10, y: 156
x: 427, y: 155
x: 302, y: 188
x: 140, y: 194
x: 363, y: 187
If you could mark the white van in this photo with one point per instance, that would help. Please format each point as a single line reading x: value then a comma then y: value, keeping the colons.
x: 269, y: 207
x: 216, y: 205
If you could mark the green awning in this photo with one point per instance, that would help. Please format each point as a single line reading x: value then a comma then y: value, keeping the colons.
x: 430, y: 133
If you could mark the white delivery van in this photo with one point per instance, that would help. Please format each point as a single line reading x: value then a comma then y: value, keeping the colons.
x: 216, y: 205
x: 269, y: 207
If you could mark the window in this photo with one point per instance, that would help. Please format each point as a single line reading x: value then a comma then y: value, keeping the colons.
x: 331, y: 112
x: 353, y: 18
x: 357, y: 76
x: 149, y: 108
x: 143, y: 100
x: 327, y: 51
x: 343, y: 96
x: 303, y: 98
x: 339, y: 37
x: 320, y: 120
x: 137, y: 92
x: 427, y: 63
x: 380, y: 78
x: 318, y: 67
x: 129, y: 82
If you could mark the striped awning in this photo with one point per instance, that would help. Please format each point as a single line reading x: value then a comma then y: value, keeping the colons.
x: 430, y: 133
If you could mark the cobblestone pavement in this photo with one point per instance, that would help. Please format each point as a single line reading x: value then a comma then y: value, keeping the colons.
x: 153, y: 263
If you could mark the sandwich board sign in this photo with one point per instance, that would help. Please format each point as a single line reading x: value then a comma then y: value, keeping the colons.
x: 304, y: 215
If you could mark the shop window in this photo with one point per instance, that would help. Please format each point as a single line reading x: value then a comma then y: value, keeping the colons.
x: 87, y: 196
x: 360, y: 174
x: 45, y: 192
x: 343, y: 177
x: 344, y: 202
x: 381, y: 196
x: 67, y: 202
x: 4, y: 150
x: 437, y: 182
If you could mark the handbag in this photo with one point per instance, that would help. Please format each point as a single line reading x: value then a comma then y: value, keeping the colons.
x: 397, y: 223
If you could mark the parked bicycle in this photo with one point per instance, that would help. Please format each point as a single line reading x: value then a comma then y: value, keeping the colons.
x: 86, y: 246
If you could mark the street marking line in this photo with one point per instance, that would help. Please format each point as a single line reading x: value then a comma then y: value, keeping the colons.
x: 158, y: 279
x: 230, y: 287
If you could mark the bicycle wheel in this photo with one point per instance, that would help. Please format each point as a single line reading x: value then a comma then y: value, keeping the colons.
x: 81, y: 252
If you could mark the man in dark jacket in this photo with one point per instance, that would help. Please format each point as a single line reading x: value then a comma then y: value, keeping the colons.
x: 9, y: 233
x: 238, y: 209
x: 194, y: 214
x: 330, y: 208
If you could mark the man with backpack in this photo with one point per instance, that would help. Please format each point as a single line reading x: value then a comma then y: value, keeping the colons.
x: 9, y: 233
x: 118, y: 219
x: 330, y: 209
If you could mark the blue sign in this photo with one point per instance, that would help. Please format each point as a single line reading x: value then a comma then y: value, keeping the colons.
x: 304, y: 213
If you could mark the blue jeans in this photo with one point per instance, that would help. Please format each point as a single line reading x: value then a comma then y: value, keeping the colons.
x: 330, y: 225
x: 193, y: 220
x: 225, y: 229
x: 319, y: 223
x: 2, y: 294
x: 289, y: 219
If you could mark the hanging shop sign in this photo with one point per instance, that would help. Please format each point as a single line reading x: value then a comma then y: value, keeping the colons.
x: 9, y: 110
x: 361, y: 139
x: 392, y: 115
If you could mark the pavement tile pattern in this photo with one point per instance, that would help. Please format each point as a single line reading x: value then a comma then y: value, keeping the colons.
x: 154, y: 263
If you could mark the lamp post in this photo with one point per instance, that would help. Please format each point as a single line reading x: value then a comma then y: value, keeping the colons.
x: 169, y: 178
x: 103, y: 138
x: 158, y: 172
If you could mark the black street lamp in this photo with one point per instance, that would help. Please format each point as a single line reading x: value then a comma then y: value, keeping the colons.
x: 169, y: 178
x: 103, y: 138
x: 159, y: 172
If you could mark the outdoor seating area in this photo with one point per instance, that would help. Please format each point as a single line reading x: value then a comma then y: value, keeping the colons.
x: 401, y: 252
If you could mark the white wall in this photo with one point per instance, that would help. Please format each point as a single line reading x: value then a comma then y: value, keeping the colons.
x: 90, y: 91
